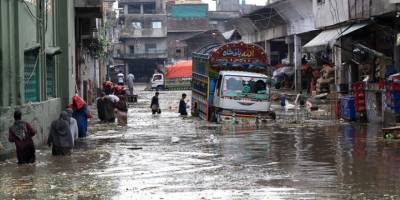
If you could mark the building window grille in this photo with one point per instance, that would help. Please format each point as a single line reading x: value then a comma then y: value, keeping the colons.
x: 31, y: 76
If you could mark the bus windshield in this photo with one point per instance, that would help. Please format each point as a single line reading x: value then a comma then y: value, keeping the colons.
x: 238, y: 87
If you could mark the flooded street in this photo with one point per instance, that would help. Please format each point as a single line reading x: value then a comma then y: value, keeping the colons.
x: 168, y: 157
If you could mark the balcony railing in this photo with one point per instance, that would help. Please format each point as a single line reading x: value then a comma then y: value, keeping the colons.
x: 148, y: 54
x: 146, y: 32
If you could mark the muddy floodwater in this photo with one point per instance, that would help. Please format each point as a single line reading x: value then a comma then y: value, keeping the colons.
x: 168, y: 157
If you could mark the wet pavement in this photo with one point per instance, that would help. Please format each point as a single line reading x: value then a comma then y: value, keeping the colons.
x: 168, y: 157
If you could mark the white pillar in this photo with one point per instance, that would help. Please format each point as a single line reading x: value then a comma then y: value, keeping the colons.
x: 289, y: 42
x: 297, y: 62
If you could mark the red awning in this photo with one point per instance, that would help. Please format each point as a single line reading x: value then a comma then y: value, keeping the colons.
x: 182, y: 69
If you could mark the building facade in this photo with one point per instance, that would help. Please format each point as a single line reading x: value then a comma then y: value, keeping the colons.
x: 143, y: 37
x: 36, y: 64
x: 360, y: 39
x: 227, y: 5
x: 185, y: 21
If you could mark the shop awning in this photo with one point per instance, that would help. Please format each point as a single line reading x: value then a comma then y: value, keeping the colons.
x: 32, y: 47
x: 182, y: 69
x: 327, y: 37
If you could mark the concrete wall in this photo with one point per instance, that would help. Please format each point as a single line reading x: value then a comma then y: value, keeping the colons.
x: 363, y: 9
x: 298, y: 15
x: 228, y: 5
x: 330, y: 12
x: 65, y: 37
x: 40, y: 115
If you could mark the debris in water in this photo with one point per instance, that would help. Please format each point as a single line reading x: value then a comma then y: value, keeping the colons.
x: 135, y: 148
x: 175, y: 139
x: 212, y: 139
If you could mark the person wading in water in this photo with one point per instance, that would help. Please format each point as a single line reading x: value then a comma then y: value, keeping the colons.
x: 155, y: 104
x: 21, y: 134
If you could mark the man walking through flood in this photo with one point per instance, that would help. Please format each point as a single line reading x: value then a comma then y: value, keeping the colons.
x: 21, y: 134
x: 155, y: 104
x: 182, y: 106
x: 130, y: 80
x: 121, y: 78
x: 60, y: 136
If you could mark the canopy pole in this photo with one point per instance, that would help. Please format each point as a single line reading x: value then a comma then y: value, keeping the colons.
x: 297, y: 62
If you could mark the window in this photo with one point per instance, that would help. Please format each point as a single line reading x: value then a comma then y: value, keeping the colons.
x: 132, y: 49
x: 150, y: 47
x: 157, y: 24
x: 178, y: 51
x: 137, y: 25
x: 31, y: 76
x: 50, y: 76
x: 134, y: 9
x: 319, y: 2
x: 157, y: 77
x: 245, y: 87
x: 149, y: 8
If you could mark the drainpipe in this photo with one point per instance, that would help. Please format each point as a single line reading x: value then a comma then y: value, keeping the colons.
x: 42, y: 51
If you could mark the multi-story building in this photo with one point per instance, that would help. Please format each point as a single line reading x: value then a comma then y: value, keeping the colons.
x: 143, y: 37
x: 228, y: 5
x: 185, y: 21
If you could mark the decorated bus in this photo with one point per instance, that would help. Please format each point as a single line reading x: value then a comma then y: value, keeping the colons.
x: 230, y: 84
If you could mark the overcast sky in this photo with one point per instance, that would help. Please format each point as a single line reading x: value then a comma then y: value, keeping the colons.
x: 257, y: 2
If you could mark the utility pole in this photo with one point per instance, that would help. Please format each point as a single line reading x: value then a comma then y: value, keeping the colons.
x: 42, y: 51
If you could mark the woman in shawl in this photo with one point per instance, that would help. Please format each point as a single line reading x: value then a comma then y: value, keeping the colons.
x: 60, y: 136
x: 81, y: 115
x: 21, y: 134
x: 73, y: 125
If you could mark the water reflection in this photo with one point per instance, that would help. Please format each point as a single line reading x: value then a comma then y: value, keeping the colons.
x: 314, y: 160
